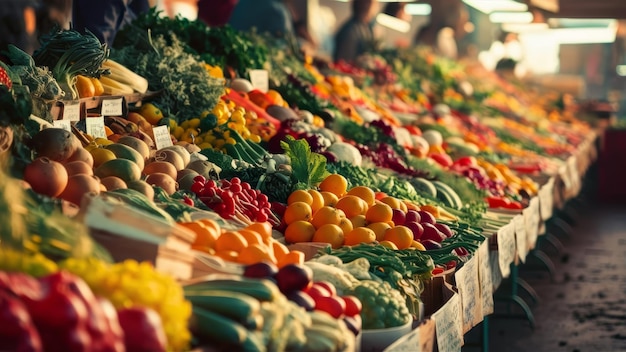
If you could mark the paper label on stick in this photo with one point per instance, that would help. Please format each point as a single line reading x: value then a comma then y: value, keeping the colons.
x: 95, y: 126
x: 162, y: 137
x: 71, y: 110
x: 112, y: 107
x: 64, y: 124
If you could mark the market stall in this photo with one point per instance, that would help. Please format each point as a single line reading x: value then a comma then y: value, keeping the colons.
x: 221, y: 191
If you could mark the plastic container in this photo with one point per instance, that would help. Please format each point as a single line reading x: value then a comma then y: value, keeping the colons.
x: 378, y: 339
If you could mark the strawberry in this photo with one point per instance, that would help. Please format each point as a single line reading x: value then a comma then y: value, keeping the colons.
x: 4, y: 78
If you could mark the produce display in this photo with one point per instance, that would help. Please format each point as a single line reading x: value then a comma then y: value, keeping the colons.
x: 154, y: 199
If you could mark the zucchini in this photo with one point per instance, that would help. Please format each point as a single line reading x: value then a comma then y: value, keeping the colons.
x: 446, y: 192
x: 234, y: 305
x: 113, y: 87
x: 122, y: 74
x: 216, y: 327
x: 261, y: 289
x: 424, y: 187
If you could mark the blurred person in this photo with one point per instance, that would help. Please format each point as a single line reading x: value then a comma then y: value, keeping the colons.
x: 18, y: 24
x: 267, y: 16
x: 445, y: 28
x: 53, y: 13
x: 216, y: 13
x: 393, y: 37
x: 356, y: 36
x: 105, y: 18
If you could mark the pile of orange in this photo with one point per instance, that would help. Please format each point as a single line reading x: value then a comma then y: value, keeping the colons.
x: 340, y: 216
x: 249, y: 245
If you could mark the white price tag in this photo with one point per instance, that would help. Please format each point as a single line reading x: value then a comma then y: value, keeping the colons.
x: 485, y: 278
x: 71, y: 110
x: 506, y: 248
x: 531, y: 216
x: 546, y: 199
x: 162, y: 137
x: 112, y: 107
x: 448, y: 325
x: 260, y: 80
x: 467, y: 283
x: 95, y: 127
x: 520, y: 237
x: 64, y: 124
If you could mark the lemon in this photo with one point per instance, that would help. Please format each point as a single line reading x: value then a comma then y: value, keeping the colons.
x: 151, y: 113
x: 101, y: 155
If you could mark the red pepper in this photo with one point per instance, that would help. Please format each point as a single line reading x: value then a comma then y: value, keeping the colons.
x: 503, y: 202
x: 65, y: 312
x: 17, y: 331
x: 143, y: 330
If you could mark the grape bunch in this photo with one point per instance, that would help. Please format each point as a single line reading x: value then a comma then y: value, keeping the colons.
x: 233, y: 198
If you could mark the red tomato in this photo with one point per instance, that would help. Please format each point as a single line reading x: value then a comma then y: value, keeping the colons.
x: 333, y: 305
x: 353, y: 305
x: 316, y: 291
x: 328, y: 286
x: 442, y: 159
x: 466, y: 161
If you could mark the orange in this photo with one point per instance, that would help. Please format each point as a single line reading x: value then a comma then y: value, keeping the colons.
x: 300, y: 195
x: 365, y: 193
x: 358, y: 221
x: 379, y: 212
x: 334, y: 183
x: 318, y: 199
x: 410, y: 206
x: 345, y: 224
x: 207, y: 250
x: 254, y: 253
x: 352, y: 205
x: 418, y: 245
x: 380, y: 195
x: 400, y: 235
x: 297, y: 211
x: 379, y: 229
x: 299, y: 231
x: 262, y: 228
x: 101, y: 155
x: 275, y: 96
x: 205, y: 236
x: 329, y: 233
x: 230, y: 256
x: 359, y: 235
x: 330, y: 199
x: 293, y: 257
x: 279, y: 249
x: 326, y: 215
x: 251, y: 236
x: 393, y: 202
x: 388, y: 244
x: 230, y: 241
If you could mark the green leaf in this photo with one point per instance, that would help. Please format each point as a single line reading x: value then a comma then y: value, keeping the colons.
x: 309, y: 169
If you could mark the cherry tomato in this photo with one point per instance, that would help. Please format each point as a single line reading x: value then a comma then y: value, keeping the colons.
x: 316, y: 291
x: 333, y: 305
x: 330, y: 288
x: 353, y: 305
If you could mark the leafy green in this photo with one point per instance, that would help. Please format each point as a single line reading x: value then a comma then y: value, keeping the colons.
x: 39, y: 79
x: 222, y: 46
x: 309, y: 169
x: 187, y: 88
x: 68, y: 53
